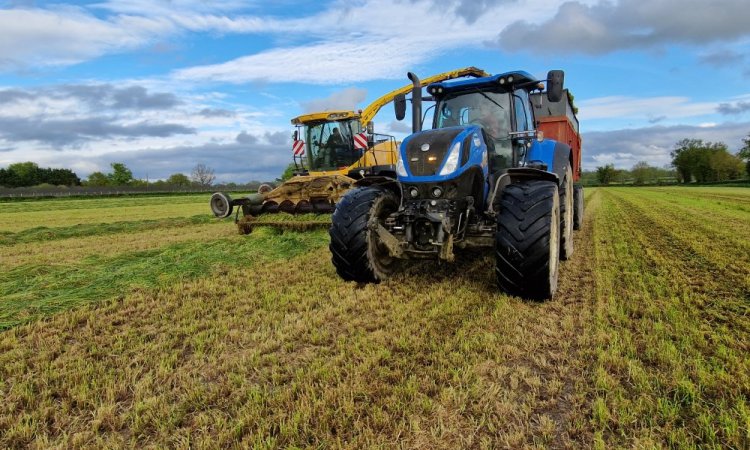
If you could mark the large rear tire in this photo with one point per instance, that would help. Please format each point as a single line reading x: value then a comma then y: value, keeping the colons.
x: 357, y: 253
x: 578, y: 206
x: 527, y: 242
x: 566, y: 214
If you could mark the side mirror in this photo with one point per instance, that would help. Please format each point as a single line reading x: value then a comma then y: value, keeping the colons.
x: 555, y: 80
x: 399, y: 104
x: 371, y: 127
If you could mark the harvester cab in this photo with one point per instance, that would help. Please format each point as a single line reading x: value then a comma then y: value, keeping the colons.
x: 482, y: 177
x: 337, y: 142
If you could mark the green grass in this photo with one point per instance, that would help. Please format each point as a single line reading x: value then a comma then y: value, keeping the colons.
x: 31, y: 291
x: 38, y: 234
x: 673, y: 328
x: 253, y: 341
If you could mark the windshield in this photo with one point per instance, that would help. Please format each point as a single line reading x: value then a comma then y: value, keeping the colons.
x: 330, y: 144
x: 490, y: 110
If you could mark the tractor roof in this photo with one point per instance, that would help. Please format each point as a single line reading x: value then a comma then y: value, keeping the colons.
x: 506, y: 79
x: 324, y: 116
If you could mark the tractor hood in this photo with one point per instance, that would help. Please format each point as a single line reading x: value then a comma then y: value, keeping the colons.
x: 436, y: 155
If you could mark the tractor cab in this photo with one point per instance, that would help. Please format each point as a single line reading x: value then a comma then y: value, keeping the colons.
x: 499, y: 104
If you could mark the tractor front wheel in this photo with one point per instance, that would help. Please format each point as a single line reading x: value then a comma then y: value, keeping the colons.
x: 356, y: 250
x: 527, y: 242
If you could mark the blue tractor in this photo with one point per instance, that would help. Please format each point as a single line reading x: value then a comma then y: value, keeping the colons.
x: 482, y: 177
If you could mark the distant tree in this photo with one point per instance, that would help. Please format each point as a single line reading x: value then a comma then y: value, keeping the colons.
x: 27, y: 173
x: 178, y: 179
x: 120, y: 176
x: 288, y: 172
x: 8, y: 178
x: 137, y: 182
x: 704, y: 161
x: 61, y: 177
x: 725, y: 166
x: 744, y: 154
x: 606, y: 174
x: 589, y: 178
x: 203, y: 175
x: 97, y: 179
x: 642, y: 173
x: 686, y: 158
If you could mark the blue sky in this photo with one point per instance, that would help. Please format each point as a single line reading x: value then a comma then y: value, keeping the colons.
x: 165, y: 85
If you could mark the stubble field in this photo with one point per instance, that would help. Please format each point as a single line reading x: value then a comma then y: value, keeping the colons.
x: 143, y: 322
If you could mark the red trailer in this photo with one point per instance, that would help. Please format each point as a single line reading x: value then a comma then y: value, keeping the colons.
x: 558, y: 121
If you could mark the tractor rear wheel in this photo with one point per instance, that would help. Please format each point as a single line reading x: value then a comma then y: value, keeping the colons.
x: 527, y: 241
x: 567, y: 207
x: 356, y: 250
x: 577, y: 206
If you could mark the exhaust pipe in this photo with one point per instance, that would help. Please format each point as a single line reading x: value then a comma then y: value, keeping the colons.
x: 416, y: 103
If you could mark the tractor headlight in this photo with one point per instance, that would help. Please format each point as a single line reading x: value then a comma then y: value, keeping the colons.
x: 413, y: 192
x: 451, y: 162
x: 437, y: 192
x: 400, y: 169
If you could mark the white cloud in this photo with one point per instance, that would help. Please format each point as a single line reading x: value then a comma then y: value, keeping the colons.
x: 625, y: 147
x: 610, y: 26
x: 345, y: 100
x: 67, y: 36
x: 367, y: 41
x: 651, y: 108
x: 325, y: 63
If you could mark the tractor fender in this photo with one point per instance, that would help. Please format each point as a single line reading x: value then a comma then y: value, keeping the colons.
x: 382, y: 182
x: 520, y: 173
x: 555, y: 155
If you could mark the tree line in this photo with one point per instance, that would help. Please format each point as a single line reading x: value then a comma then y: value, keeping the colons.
x: 693, y: 161
x: 29, y: 174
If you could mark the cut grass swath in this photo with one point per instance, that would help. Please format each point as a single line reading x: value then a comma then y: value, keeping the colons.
x: 37, y: 234
x: 32, y: 291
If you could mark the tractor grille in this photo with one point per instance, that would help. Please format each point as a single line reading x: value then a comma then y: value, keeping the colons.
x: 426, y: 163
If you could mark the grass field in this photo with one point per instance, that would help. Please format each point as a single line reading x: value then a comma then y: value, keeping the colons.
x: 142, y: 322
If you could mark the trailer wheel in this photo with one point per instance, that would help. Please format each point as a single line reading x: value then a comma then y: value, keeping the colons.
x: 356, y: 250
x: 567, y: 206
x: 577, y: 207
x: 221, y: 205
x: 527, y: 242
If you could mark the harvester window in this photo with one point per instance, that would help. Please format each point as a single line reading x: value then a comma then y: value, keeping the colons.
x: 331, y: 146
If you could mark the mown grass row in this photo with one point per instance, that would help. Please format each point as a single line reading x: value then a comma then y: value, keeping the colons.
x: 15, y: 222
x: 65, y: 252
x: 69, y: 204
x: 46, y: 233
x: 31, y: 291
x: 673, y: 330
